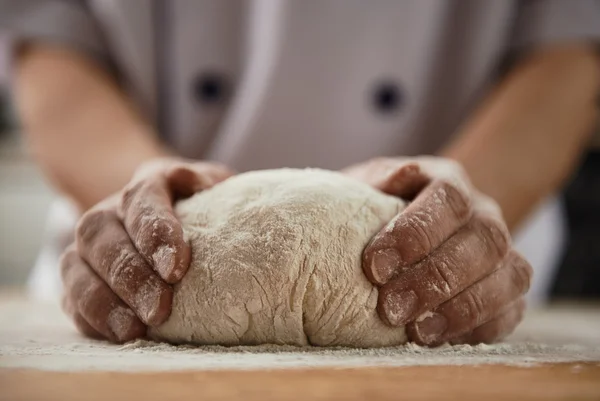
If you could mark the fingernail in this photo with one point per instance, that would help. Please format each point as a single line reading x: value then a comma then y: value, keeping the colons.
x: 147, y: 301
x: 385, y: 264
x: 164, y: 262
x: 400, y: 307
x: 431, y: 328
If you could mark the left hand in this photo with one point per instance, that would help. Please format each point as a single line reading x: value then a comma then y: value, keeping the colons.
x: 444, y: 265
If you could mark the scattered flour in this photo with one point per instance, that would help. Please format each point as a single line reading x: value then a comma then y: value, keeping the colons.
x: 39, y: 336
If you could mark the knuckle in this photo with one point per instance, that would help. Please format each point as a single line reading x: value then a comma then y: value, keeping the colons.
x: 151, y: 229
x: 96, y: 290
x: 91, y: 224
x: 68, y: 259
x: 152, y: 226
x: 129, y: 193
x: 121, y: 270
x: 522, y: 274
x: 494, y: 233
x: 415, y: 237
x: 456, y: 197
x: 445, y: 279
x: 93, y: 298
x: 474, y: 308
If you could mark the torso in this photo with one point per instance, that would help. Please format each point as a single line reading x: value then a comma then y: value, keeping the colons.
x: 265, y: 84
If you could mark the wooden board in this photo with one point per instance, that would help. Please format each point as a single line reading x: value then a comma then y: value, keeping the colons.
x: 571, y: 381
x: 32, y: 335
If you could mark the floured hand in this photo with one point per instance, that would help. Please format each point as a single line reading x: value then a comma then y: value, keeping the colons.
x: 445, y: 266
x: 129, y: 249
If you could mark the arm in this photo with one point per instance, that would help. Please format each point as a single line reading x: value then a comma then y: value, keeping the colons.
x: 90, y: 140
x: 81, y: 129
x: 445, y: 265
x: 526, y: 138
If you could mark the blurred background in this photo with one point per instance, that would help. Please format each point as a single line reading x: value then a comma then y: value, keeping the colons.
x: 24, y: 198
x: 24, y: 202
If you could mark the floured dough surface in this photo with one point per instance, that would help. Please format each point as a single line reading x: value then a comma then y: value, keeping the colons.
x: 276, y: 259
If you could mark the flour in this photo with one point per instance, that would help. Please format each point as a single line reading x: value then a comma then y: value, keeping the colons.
x: 276, y: 258
x: 435, y: 355
x: 40, y: 336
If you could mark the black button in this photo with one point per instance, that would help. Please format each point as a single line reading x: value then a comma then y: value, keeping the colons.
x: 387, y: 97
x: 210, y: 88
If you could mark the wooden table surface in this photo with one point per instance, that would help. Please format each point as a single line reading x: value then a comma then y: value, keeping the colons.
x: 568, y: 381
x: 28, y: 370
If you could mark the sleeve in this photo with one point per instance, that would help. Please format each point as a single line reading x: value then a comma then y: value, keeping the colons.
x: 544, y: 22
x: 63, y: 22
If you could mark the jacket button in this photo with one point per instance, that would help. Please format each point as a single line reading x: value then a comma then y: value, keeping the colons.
x: 210, y: 88
x: 387, y: 97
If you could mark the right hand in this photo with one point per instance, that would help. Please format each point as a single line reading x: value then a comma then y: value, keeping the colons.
x: 130, y: 248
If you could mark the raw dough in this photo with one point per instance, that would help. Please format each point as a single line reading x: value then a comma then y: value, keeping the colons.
x: 276, y: 258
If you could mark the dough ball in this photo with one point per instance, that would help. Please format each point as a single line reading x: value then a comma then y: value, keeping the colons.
x: 276, y: 259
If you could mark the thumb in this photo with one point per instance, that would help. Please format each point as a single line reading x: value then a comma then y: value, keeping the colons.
x: 186, y: 179
x: 404, y: 179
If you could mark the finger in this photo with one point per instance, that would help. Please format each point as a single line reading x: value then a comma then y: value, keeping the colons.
x: 204, y: 174
x: 186, y: 179
x: 393, y: 176
x: 496, y: 329
x: 437, y: 212
x: 148, y: 216
x: 96, y: 309
x: 80, y: 323
x: 471, y: 254
x: 150, y: 221
x: 475, y: 306
x: 105, y: 246
x: 404, y: 182
x: 84, y: 327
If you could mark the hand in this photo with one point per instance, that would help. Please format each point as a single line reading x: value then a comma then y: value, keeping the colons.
x: 129, y: 249
x: 445, y: 266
